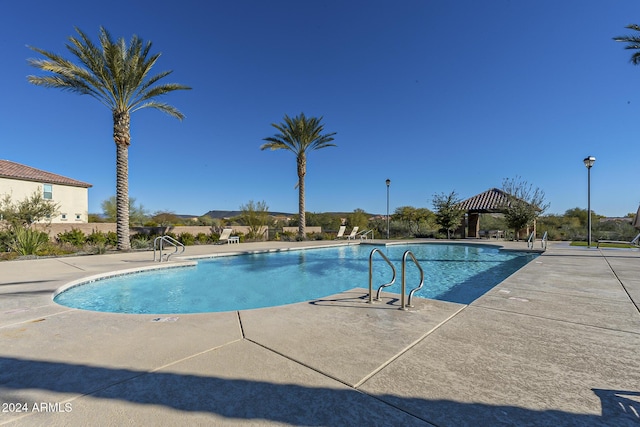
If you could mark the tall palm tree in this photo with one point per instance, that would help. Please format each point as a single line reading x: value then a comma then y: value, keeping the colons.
x: 299, y: 135
x: 117, y: 75
x: 633, y: 42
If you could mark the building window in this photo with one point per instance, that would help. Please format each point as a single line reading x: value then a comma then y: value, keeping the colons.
x: 64, y: 217
x: 48, y: 191
x: 78, y: 217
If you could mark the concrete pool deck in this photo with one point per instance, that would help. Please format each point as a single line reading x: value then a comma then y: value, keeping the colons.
x: 556, y: 343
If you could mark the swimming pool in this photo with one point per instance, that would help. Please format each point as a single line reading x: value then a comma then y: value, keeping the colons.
x: 453, y: 272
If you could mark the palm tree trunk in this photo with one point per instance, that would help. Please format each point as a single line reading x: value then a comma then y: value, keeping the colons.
x: 302, y: 170
x: 122, y: 197
x: 122, y: 139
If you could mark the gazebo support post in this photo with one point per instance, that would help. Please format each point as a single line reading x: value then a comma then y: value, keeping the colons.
x: 474, y: 224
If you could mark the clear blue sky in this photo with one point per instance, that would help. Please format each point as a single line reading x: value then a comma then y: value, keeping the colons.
x: 436, y: 95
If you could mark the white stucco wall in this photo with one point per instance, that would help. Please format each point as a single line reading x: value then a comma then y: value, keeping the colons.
x: 72, y: 201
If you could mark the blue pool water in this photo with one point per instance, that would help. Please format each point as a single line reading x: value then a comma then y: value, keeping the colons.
x: 453, y: 272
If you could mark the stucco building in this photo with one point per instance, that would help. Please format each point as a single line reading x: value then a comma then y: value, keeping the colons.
x: 72, y: 196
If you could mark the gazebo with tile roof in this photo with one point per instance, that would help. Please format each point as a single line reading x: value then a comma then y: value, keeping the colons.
x: 493, y: 200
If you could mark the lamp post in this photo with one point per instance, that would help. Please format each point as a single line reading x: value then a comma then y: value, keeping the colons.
x: 588, y: 162
x: 388, y: 181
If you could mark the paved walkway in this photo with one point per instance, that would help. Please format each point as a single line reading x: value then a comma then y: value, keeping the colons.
x: 555, y: 344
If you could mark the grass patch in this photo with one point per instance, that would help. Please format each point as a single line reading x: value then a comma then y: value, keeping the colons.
x: 605, y: 245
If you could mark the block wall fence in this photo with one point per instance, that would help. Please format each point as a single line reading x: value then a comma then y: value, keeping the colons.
x: 87, y: 228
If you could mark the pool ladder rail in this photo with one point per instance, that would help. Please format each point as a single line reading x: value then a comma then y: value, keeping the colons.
x: 407, y: 254
x: 158, y: 244
x: 532, y: 240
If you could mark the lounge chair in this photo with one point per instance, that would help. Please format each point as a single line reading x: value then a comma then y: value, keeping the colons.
x: 635, y: 242
x: 340, y: 234
x: 364, y: 234
x: 226, y: 237
x: 354, y: 231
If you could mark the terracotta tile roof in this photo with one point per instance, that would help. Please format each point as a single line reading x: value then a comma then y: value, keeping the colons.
x: 14, y: 170
x: 493, y: 200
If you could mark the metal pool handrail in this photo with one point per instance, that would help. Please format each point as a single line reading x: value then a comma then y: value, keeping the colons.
x: 170, y: 240
x: 543, y: 242
x: 532, y: 239
x: 393, y: 280
x: 404, y: 264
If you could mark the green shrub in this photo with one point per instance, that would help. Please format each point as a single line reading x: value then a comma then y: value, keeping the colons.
x: 74, y: 237
x: 5, y: 239
x: 424, y: 234
x: 28, y: 242
x: 98, y: 248
x: 288, y: 236
x: 187, y: 239
x: 202, y: 238
x: 319, y: 236
x: 96, y: 237
x: 112, y: 238
x: 51, y: 249
x: 140, y: 241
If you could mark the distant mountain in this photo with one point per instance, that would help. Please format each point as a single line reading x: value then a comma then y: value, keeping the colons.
x: 230, y: 214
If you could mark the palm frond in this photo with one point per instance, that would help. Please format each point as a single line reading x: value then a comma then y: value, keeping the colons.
x: 273, y: 144
x: 165, y: 108
x: 633, y: 43
x: 151, y: 81
x: 114, y: 72
x: 299, y: 135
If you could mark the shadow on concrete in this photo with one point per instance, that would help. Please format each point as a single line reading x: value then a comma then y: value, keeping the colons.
x: 242, y: 399
x: 27, y: 282
x: 26, y: 293
x: 360, y: 300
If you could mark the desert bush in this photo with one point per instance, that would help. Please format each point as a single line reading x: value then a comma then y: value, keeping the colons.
x: 57, y: 249
x: 112, y: 238
x: 28, y: 242
x: 96, y: 237
x: 73, y: 236
x: 288, y: 236
x: 8, y: 256
x: 5, y: 239
x: 140, y: 241
x: 202, y: 238
x: 320, y: 236
x: 187, y: 239
x: 98, y: 248
x: 426, y: 234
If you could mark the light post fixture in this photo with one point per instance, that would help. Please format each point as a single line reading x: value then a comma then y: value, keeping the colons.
x: 588, y: 162
x: 388, y: 182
